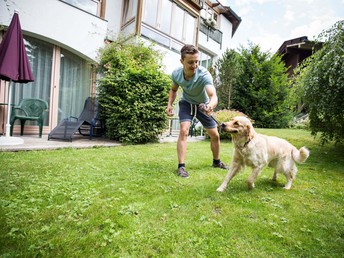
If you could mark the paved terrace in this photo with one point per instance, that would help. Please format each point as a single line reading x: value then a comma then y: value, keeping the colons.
x: 33, y: 142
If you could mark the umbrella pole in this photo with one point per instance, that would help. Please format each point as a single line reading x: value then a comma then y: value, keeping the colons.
x: 9, y: 107
x: 9, y: 140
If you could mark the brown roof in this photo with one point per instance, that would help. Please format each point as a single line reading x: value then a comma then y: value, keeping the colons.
x: 301, y: 43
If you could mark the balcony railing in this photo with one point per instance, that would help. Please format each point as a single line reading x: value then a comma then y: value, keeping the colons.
x: 211, y: 32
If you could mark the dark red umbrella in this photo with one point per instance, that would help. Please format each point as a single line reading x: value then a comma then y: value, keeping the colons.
x: 14, y: 63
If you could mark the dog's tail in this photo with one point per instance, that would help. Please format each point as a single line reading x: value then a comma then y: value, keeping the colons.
x: 300, y: 155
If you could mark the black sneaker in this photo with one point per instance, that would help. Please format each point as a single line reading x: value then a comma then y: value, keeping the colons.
x: 220, y: 165
x: 182, y: 172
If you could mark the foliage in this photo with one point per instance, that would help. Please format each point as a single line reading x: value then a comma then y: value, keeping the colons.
x: 133, y: 92
x: 300, y: 121
x: 127, y: 201
x: 321, y: 84
x: 229, y: 73
x: 226, y: 115
x: 261, y: 88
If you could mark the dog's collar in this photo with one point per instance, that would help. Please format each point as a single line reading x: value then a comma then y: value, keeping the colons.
x: 246, y: 143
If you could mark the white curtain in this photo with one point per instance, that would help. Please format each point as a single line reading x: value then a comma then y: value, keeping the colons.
x: 75, y: 79
x: 40, y: 56
x: 75, y: 84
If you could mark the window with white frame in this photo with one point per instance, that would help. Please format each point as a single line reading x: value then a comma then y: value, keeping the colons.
x: 166, y: 16
x: 209, y: 13
x: 205, y: 60
x: 129, y: 10
x: 168, y: 23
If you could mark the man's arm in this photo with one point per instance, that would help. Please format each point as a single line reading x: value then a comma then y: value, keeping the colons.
x: 171, y: 97
x: 213, y: 100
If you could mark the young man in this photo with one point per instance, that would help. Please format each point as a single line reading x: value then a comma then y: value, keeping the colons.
x: 198, y: 88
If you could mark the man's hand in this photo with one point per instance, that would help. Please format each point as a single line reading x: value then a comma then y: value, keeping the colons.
x: 207, y: 109
x: 169, y: 111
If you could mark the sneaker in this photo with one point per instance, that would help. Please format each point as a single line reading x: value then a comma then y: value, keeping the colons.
x: 182, y: 172
x: 220, y: 165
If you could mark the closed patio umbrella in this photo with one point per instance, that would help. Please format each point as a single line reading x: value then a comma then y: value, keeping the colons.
x: 14, y: 67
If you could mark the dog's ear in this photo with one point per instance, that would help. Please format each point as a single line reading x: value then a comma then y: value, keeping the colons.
x: 250, y: 132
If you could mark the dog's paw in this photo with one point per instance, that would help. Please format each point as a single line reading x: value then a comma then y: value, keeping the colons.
x: 220, y: 189
x: 288, y: 185
x: 250, y: 185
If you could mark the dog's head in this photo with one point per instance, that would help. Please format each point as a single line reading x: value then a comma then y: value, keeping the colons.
x: 239, y: 126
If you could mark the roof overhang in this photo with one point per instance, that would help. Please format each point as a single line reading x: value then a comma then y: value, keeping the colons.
x: 301, y: 43
x: 227, y: 12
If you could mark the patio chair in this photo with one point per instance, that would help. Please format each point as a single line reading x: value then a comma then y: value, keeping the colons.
x: 87, y: 124
x: 29, y: 109
x: 195, y: 125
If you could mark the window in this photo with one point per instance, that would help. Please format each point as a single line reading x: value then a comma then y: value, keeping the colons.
x: 75, y: 83
x: 205, y: 59
x: 189, y: 30
x: 177, y: 23
x: 90, y: 6
x: 40, y: 55
x: 62, y: 78
x: 209, y: 13
x: 151, y: 14
x: 168, y: 24
x: 166, y: 14
x: 129, y: 10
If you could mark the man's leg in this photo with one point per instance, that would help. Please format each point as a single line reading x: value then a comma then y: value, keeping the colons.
x: 215, y: 147
x: 181, y: 147
x: 182, y: 141
x: 214, y: 142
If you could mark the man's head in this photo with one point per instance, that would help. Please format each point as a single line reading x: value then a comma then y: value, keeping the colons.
x: 189, y: 59
x: 188, y: 50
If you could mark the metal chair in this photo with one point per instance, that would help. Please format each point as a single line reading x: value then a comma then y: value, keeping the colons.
x: 88, y: 123
x: 29, y: 109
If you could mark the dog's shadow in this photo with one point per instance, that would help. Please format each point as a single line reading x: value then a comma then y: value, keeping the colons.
x: 268, y: 183
x: 262, y: 184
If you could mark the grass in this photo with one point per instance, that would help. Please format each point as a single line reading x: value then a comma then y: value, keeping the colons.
x: 127, y: 202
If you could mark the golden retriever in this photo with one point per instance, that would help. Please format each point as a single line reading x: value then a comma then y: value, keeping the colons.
x: 258, y: 150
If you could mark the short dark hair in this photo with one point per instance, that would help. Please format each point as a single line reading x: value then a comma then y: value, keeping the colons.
x: 188, y: 49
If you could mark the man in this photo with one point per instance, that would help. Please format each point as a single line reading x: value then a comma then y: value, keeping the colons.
x: 198, y: 88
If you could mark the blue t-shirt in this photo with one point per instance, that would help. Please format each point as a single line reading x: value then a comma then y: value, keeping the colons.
x: 193, y: 90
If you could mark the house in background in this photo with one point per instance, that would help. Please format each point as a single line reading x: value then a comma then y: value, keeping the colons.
x: 294, y: 51
x: 63, y: 39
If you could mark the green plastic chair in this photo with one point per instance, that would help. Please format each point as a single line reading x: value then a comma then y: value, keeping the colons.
x: 29, y: 109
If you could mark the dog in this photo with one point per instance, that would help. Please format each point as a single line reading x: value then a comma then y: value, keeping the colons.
x: 257, y: 151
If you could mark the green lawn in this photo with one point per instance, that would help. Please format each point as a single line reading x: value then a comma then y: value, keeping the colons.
x: 128, y: 202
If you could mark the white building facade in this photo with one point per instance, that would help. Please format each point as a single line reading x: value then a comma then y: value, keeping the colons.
x: 63, y: 39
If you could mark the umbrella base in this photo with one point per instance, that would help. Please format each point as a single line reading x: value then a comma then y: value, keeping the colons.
x: 9, y: 140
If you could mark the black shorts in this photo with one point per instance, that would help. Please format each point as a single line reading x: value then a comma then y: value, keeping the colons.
x: 188, y: 111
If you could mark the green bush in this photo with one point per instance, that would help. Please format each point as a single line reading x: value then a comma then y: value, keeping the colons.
x: 226, y: 115
x: 133, y: 92
x: 320, y: 84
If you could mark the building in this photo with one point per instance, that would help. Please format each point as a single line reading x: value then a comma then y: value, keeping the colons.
x: 63, y: 39
x: 294, y: 51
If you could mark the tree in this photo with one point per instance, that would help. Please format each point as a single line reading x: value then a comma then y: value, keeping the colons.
x: 133, y: 92
x: 260, y: 88
x: 228, y: 75
x: 321, y: 83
